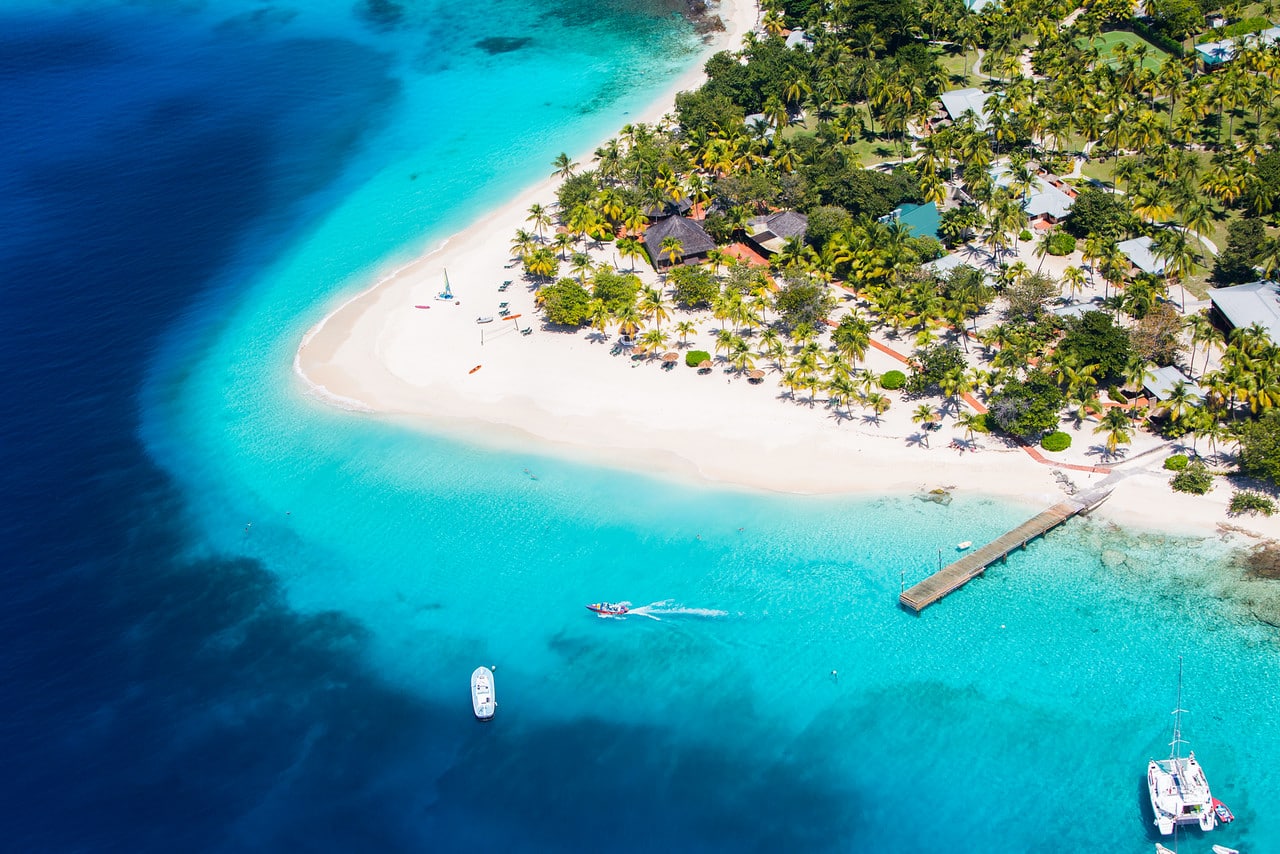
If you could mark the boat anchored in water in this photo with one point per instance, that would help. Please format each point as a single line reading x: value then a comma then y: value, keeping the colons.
x: 610, y: 609
x: 482, y: 696
x: 1177, y: 786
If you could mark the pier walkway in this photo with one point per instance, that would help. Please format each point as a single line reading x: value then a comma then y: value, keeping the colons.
x: 974, y: 563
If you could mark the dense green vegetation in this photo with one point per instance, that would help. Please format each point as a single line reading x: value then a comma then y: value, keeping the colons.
x: 846, y: 130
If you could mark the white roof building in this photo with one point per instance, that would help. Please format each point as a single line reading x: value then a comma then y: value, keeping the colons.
x: 1043, y: 199
x: 797, y: 38
x: 957, y: 102
x: 1161, y: 382
x: 1138, y: 251
x: 1244, y: 305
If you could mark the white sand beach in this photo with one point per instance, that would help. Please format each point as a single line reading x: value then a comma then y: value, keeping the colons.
x: 396, y: 349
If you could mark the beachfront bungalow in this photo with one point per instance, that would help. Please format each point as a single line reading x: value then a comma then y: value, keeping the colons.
x: 770, y: 233
x: 1141, y: 258
x: 1241, y: 306
x: 760, y: 125
x: 920, y: 220
x: 798, y: 39
x: 1160, y: 383
x: 957, y: 102
x: 695, y: 243
x: 1046, y: 204
x: 1216, y: 54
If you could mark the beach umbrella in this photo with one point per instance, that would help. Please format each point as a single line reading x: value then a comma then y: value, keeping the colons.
x: 756, y: 375
x: 704, y: 365
x: 670, y: 357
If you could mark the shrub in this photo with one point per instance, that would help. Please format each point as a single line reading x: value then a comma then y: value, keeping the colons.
x: 1246, y: 501
x: 1060, y: 243
x: 1260, y: 447
x: 932, y: 364
x: 1177, y: 462
x: 1195, y: 478
x: 893, y: 380
x: 1025, y: 235
x: 693, y: 287
x: 696, y: 357
x: 1028, y: 407
x: 566, y: 303
x: 1056, y: 441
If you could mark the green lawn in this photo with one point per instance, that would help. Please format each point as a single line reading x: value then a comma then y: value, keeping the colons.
x: 1106, y: 43
x: 954, y: 65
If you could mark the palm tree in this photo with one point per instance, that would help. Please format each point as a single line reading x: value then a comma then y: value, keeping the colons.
x: 564, y: 166
x: 522, y: 244
x: 630, y: 248
x: 580, y: 265
x: 740, y: 355
x: 563, y: 243
x: 1116, y: 425
x: 628, y: 320
x: 540, y: 217
x: 878, y: 404
x: 652, y: 340
x: 684, y: 329
x: 842, y: 391
x: 598, y: 314
x: 971, y: 422
x: 672, y: 248
x: 653, y: 306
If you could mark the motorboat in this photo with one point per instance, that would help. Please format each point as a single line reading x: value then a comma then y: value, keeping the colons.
x: 609, y: 609
x: 1160, y: 849
x: 1222, y: 849
x: 482, y: 696
x: 967, y: 544
x: 484, y: 318
x: 1177, y: 785
x: 1225, y: 816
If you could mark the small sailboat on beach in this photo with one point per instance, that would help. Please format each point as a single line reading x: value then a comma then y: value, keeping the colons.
x: 447, y: 293
x: 1177, y: 786
x: 483, y: 701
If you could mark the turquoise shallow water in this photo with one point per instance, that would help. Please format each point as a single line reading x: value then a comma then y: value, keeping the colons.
x: 1018, y: 715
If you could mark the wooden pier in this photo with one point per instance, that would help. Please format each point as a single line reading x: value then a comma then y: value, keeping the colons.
x: 974, y: 563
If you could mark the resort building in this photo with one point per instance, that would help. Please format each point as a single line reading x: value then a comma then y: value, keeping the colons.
x: 770, y: 233
x: 797, y: 38
x: 920, y: 220
x: 1046, y: 203
x: 957, y: 102
x: 695, y: 243
x: 1242, y: 306
x: 1141, y: 258
x: 1215, y: 54
x: 1161, y: 382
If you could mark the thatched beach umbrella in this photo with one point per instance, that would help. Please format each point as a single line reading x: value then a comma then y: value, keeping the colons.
x: 670, y: 357
x: 755, y: 376
x: 704, y: 366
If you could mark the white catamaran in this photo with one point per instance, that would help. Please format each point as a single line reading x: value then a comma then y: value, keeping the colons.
x: 1178, y: 788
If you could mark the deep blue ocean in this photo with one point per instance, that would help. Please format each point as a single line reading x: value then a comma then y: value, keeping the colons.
x: 236, y: 619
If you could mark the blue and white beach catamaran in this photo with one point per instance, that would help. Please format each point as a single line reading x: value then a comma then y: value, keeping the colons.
x: 447, y: 293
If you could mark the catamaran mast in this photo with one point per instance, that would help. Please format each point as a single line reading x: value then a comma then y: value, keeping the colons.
x: 1177, y: 719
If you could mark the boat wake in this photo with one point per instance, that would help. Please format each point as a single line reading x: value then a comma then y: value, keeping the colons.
x: 665, y: 608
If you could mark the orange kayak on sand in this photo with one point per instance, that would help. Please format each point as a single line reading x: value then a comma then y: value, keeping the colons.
x: 476, y: 368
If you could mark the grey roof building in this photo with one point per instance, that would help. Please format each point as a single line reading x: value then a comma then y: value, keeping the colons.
x: 769, y: 233
x: 1161, y: 382
x: 957, y: 102
x: 1138, y: 251
x: 695, y: 243
x: 1244, y: 305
